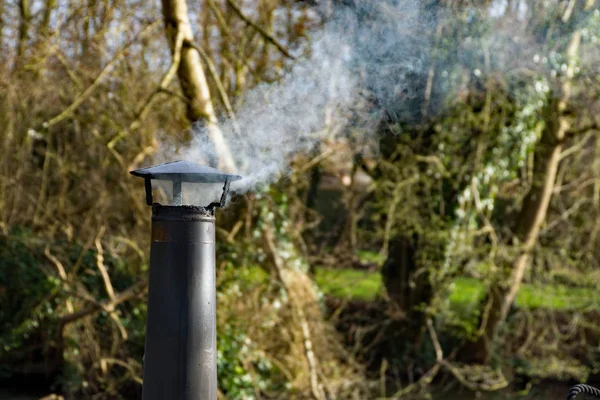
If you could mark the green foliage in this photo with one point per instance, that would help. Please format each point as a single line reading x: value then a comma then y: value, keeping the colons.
x: 27, y: 294
x: 349, y: 283
x: 461, y: 310
x: 242, y: 370
x: 34, y: 299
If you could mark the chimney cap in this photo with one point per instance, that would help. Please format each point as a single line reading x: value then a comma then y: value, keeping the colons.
x: 185, y: 171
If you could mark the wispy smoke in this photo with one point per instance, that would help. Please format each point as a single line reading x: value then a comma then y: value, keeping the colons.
x: 279, y: 120
x: 370, y: 60
x: 361, y: 54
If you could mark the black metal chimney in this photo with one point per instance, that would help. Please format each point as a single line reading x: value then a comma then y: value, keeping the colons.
x: 180, y: 360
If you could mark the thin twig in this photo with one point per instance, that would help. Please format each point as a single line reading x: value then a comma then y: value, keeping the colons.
x: 431, y: 159
x: 61, y: 59
x: 175, y: 94
x: 62, y: 273
x: 101, y: 267
x: 564, y: 216
x: 164, y: 83
x: 220, y: 19
x: 325, y: 154
x: 103, y: 363
x: 486, y: 221
x: 234, y: 231
x: 133, y: 291
x: 90, y: 89
x: 259, y: 29
x: 439, y: 354
x: 107, y: 283
x: 578, y: 146
x: 579, y: 185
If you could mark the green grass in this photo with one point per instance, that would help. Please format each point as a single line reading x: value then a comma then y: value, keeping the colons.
x: 349, y: 283
x: 558, y: 297
x: 469, y: 291
x: 342, y: 283
x: 368, y: 256
x: 465, y: 293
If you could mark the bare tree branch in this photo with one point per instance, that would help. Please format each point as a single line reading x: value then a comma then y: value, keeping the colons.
x: 564, y: 216
x: 161, y: 88
x: 133, y: 291
x: 579, y: 145
x: 90, y: 89
x: 107, y: 283
x: 220, y: 88
x: 260, y: 30
x: 101, y: 267
x: 104, y: 362
x: 220, y: 19
x: 61, y: 273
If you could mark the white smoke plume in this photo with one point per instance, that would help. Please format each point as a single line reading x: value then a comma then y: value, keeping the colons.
x: 320, y: 96
x: 282, y: 119
x: 367, y: 50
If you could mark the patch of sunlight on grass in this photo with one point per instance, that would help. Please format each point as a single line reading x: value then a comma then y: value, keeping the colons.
x: 557, y: 297
x: 369, y: 256
x: 465, y: 293
x: 349, y: 283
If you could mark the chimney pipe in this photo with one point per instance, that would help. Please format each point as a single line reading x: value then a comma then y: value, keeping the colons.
x: 180, y: 360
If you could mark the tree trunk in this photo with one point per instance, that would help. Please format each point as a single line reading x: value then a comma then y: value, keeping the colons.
x: 406, y: 282
x: 533, y: 212
x: 425, y: 108
x: 24, y: 23
x: 2, y: 23
x: 45, y: 24
x: 193, y: 79
x: 546, y: 161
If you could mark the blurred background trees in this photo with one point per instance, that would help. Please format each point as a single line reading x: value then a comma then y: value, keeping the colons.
x: 464, y: 250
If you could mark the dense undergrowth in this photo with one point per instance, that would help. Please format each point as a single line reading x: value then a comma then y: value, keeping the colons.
x: 355, y: 300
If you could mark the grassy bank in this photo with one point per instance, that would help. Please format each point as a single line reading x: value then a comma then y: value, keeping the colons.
x: 465, y: 292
